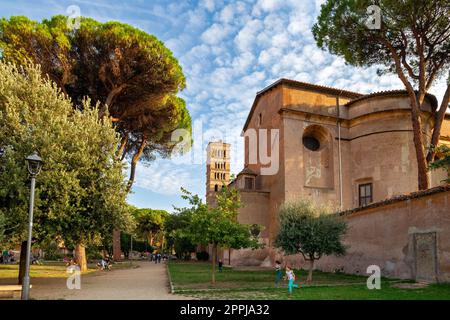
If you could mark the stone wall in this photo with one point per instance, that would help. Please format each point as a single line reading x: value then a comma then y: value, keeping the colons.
x: 408, y: 237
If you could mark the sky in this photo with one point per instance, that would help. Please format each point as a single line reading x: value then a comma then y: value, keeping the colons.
x: 229, y: 50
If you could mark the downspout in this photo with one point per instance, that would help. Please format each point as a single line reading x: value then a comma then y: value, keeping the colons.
x: 339, y: 153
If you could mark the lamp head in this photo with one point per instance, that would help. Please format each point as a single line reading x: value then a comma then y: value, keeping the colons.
x: 34, y: 163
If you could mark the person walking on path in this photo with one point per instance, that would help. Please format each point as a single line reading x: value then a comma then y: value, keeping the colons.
x: 291, y: 278
x: 278, y: 273
x: 5, y: 254
x: 220, y: 265
x: 159, y: 257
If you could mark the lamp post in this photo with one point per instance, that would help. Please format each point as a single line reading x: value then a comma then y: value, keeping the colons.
x: 34, y: 163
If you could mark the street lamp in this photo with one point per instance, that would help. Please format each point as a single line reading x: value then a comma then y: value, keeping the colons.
x: 34, y: 164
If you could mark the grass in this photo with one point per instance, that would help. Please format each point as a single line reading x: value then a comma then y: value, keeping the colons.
x: 51, y: 269
x: 193, y: 279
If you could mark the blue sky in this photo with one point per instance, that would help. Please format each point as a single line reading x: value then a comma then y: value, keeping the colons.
x: 229, y: 50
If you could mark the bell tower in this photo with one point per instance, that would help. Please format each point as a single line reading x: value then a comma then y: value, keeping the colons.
x: 217, y: 168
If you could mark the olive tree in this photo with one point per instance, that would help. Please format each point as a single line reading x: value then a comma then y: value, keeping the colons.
x: 311, y: 231
x: 81, y: 190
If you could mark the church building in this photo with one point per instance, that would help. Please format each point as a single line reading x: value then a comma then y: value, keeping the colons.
x: 333, y: 146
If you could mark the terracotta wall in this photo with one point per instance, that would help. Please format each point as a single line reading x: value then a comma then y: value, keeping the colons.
x: 393, y: 236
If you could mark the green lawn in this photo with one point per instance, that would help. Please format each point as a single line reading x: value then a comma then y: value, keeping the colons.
x: 193, y: 279
x: 50, y: 269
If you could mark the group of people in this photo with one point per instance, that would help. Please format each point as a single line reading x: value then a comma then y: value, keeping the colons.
x: 7, y: 256
x: 157, y: 257
x: 289, y: 276
x: 104, y: 264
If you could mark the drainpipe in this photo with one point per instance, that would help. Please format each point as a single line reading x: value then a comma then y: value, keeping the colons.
x: 339, y: 153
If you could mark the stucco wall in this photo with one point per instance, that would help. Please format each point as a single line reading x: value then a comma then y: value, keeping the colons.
x: 384, y: 236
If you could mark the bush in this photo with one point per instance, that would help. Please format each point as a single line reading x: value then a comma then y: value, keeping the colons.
x: 93, y: 254
x: 202, y: 256
x: 51, y: 251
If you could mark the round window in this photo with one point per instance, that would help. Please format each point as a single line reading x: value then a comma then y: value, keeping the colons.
x: 311, y: 143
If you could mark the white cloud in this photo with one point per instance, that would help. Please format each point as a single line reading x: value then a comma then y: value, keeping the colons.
x: 208, y: 4
x: 164, y: 177
x: 215, y: 34
x: 236, y: 50
x: 246, y: 36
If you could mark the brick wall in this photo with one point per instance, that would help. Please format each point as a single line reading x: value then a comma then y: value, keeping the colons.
x: 408, y: 237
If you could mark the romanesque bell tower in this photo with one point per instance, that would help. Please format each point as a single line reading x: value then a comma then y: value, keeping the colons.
x: 217, y: 168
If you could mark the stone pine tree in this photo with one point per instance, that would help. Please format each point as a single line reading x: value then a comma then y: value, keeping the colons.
x: 129, y: 72
x: 311, y: 231
x: 218, y: 227
x: 149, y: 223
x: 409, y: 38
x: 174, y: 225
x: 81, y: 190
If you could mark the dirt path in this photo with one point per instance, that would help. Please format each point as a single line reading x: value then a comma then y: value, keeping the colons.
x: 146, y: 282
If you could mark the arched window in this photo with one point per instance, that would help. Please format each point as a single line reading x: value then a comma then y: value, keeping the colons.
x: 216, y: 188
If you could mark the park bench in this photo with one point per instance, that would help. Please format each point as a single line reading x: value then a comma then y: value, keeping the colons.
x: 10, y: 291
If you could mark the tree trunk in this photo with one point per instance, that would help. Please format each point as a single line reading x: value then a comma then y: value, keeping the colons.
x: 310, y: 272
x: 214, y: 257
x: 162, y: 242
x: 134, y: 162
x: 150, y: 239
x: 415, y: 117
x: 80, y: 256
x: 112, y: 95
x: 439, y: 118
x: 422, y: 167
x: 123, y: 144
x: 117, y: 253
x: 23, y: 259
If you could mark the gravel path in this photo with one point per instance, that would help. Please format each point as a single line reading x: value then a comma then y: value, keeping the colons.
x: 148, y: 281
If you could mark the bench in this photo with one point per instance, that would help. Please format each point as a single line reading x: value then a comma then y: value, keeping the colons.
x: 11, y: 291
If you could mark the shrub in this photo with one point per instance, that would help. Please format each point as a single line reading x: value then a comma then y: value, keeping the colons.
x: 51, y: 251
x: 202, y: 256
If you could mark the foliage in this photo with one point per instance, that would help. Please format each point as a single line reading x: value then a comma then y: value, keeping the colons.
x: 309, y: 230
x: 94, y: 253
x: 173, y: 227
x: 138, y: 245
x: 80, y: 192
x: 443, y: 161
x: 51, y: 251
x: 126, y: 70
x: 149, y: 223
x: 413, y: 41
x: 342, y: 28
x: 217, y: 226
x: 2, y: 225
x: 202, y: 256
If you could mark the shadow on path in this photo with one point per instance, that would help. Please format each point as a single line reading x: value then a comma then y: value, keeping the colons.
x: 146, y: 281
